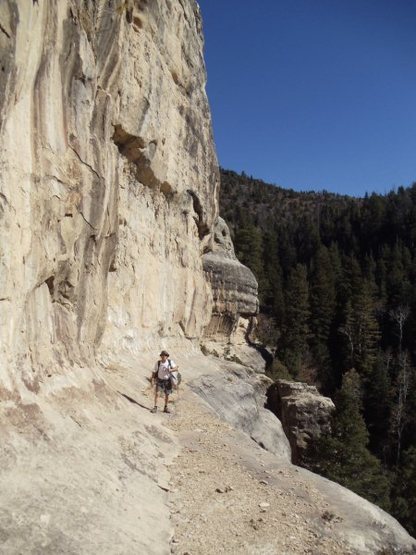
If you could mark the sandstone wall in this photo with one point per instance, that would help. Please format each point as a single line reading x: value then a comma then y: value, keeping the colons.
x: 109, y: 183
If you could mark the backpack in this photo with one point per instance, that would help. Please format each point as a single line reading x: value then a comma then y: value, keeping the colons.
x: 176, y: 379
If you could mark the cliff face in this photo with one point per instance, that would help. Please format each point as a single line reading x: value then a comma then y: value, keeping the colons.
x: 109, y: 184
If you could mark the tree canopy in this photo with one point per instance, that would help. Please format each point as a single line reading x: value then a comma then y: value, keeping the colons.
x: 338, y: 300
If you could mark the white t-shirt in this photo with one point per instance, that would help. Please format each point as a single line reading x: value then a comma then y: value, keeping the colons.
x: 162, y: 369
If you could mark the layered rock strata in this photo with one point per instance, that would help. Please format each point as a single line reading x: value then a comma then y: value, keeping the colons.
x: 235, y: 302
x: 234, y: 285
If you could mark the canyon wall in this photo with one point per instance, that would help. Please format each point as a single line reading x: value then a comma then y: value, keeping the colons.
x: 109, y: 187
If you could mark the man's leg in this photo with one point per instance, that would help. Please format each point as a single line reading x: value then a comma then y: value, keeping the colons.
x: 166, y: 402
x: 154, y: 409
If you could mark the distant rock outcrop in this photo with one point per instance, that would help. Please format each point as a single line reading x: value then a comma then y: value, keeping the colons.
x: 305, y: 413
x: 234, y: 286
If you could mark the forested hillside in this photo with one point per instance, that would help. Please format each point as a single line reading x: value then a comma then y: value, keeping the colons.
x: 337, y: 280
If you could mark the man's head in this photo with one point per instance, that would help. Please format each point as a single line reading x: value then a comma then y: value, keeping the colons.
x: 164, y: 354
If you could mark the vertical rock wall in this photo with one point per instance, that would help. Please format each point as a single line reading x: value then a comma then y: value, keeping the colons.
x: 109, y: 182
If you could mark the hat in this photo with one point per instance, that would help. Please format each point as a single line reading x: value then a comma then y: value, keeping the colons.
x: 164, y: 353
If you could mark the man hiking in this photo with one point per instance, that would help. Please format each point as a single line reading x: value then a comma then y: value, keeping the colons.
x: 163, y: 378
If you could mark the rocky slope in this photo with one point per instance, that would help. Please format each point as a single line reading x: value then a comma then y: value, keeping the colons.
x: 305, y: 512
x: 228, y: 496
x: 111, y: 248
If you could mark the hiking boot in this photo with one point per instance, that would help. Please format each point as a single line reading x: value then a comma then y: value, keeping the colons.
x: 166, y: 410
x: 154, y: 409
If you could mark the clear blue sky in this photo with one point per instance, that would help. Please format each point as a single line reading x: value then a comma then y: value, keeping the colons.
x: 314, y: 94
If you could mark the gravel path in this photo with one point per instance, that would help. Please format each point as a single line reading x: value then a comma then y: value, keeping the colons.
x: 227, y: 495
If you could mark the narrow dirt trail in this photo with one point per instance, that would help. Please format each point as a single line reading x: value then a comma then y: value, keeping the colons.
x: 227, y: 495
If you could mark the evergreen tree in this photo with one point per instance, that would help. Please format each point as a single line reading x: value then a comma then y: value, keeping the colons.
x: 294, y: 344
x: 273, y: 272
x: 344, y: 456
x: 287, y: 252
x: 404, y: 492
x: 248, y: 244
x: 400, y: 410
x: 345, y: 310
x: 322, y: 302
x: 378, y: 405
x: 367, y: 332
x: 360, y: 328
x: 396, y: 282
x: 322, y: 296
x: 336, y: 265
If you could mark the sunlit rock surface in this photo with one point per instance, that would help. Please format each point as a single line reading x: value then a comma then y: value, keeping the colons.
x: 109, y: 182
x: 305, y: 413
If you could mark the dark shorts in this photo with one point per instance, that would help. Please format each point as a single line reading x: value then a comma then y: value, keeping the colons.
x: 164, y: 385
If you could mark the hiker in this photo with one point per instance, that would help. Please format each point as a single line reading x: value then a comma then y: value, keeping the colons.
x: 162, y: 376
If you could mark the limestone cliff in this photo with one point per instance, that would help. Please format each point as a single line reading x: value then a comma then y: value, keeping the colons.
x: 109, y: 185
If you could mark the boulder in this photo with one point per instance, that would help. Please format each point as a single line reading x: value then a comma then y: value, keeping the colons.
x: 305, y: 413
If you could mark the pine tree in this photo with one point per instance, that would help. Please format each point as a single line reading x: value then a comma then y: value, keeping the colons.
x: 287, y: 252
x: 248, y: 245
x: 294, y: 345
x: 378, y: 405
x: 272, y: 271
x: 322, y: 302
x: 322, y: 295
x: 360, y: 327
x: 396, y: 282
x: 404, y: 492
x: 400, y: 410
x: 344, y: 456
x: 367, y: 331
